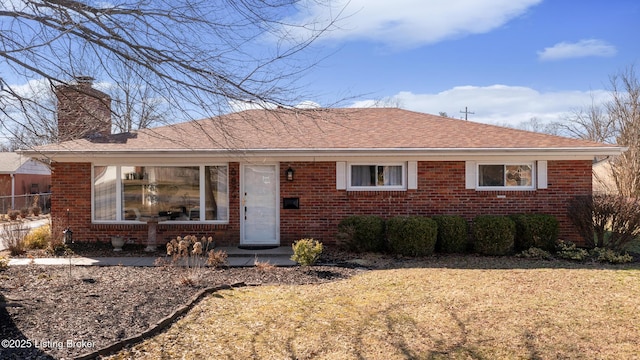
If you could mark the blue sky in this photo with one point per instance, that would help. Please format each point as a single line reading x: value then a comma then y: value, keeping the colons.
x: 506, y: 60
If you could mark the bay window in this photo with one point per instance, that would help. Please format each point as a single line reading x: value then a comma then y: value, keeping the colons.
x: 173, y: 193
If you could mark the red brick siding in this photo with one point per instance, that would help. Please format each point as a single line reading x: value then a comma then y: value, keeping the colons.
x: 441, y: 190
x: 71, y: 187
x: 82, y: 111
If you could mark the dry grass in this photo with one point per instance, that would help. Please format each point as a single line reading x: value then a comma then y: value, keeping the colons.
x: 418, y: 313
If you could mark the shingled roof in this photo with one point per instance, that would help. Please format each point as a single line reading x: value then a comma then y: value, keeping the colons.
x: 10, y: 162
x: 319, y: 130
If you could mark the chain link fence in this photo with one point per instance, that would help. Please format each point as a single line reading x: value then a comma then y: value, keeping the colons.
x: 43, y: 200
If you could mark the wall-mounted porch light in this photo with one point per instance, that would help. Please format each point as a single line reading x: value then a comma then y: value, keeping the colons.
x: 290, y: 172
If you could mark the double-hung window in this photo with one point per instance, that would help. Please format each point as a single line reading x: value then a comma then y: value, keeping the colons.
x: 506, y: 176
x: 377, y: 176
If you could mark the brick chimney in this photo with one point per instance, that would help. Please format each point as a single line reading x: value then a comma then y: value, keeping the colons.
x: 83, y: 112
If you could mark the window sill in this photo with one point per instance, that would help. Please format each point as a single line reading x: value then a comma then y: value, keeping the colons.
x: 375, y: 189
x: 504, y: 188
x: 168, y: 222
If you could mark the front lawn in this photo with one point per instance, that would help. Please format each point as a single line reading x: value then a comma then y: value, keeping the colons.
x: 493, y: 308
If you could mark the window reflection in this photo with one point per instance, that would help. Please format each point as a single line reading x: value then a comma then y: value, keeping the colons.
x: 169, y: 192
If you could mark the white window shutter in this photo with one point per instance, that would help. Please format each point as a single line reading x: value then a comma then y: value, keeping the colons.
x: 341, y: 175
x: 412, y: 175
x: 542, y: 174
x: 470, y: 174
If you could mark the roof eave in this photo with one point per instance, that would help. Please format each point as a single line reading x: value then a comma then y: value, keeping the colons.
x: 569, y: 152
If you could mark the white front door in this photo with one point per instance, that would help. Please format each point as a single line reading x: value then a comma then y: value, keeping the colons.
x: 259, y: 210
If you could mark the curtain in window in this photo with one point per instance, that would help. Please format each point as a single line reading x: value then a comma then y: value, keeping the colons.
x: 392, y: 175
x: 491, y: 175
x: 105, y: 192
x: 363, y: 175
x: 216, y: 193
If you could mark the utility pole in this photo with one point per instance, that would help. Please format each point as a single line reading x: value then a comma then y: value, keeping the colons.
x: 466, y: 112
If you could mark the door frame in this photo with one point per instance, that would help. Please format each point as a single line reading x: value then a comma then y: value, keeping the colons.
x: 276, y: 204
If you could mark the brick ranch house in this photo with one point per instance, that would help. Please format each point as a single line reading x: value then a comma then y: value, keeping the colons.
x: 263, y: 178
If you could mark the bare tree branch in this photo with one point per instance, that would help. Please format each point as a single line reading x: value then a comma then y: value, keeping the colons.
x: 615, y: 121
x: 193, y: 57
x: 624, y: 110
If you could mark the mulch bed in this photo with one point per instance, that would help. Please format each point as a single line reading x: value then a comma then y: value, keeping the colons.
x: 61, y: 312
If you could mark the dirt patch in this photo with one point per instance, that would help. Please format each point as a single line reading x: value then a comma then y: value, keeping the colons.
x: 60, y: 312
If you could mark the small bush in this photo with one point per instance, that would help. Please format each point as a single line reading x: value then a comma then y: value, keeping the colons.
x: 217, y: 258
x: 362, y: 233
x: 13, y: 215
x: 57, y: 247
x: 35, y: 210
x: 606, y: 221
x: 493, y: 235
x: 24, y: 212
x: 535, y: 253
x: 306, y: 251
x: 263, y: 266
x: 4, y: 263
x: 14, y: 238
x: 535, y: 230
x: 568, y: 250
x: 38, y: 238
x: 610, y: 256
x: 452, y: 234
x: 412, y: 235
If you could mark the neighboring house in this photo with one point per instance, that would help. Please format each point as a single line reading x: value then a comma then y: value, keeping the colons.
x: 262, y: 177
x: 603, y: 181
x: 21, y: 176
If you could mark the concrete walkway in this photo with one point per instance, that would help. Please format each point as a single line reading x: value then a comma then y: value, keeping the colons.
x: 236, y: 257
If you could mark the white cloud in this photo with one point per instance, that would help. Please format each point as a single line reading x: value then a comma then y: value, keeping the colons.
x: 495, y: 104
x: 583, y: 48
x: 407, y: 23
x: 237, y: 105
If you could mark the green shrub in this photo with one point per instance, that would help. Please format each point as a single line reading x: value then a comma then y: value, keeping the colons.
x: 38, y: 238
x: 610, y: 256
x: 535, y: 253
x: 493, y: 235
x: 452, y: 234
x: 535, y: 230
x: 412, y: 235
x: 568, y: 250
x: 4, y: 263
x: 362, y: 233
x: 306, y: 251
